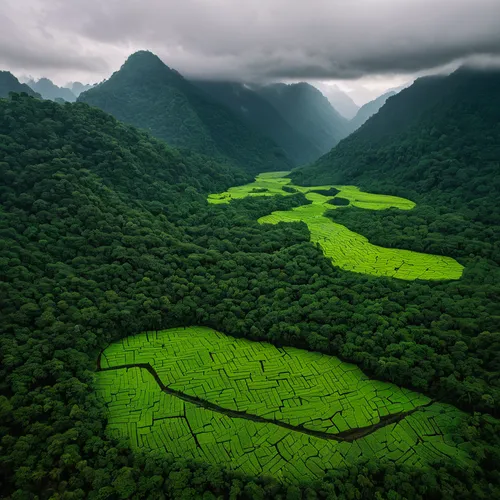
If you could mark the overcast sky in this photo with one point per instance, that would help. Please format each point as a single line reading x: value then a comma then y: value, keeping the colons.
x: 359, y: 44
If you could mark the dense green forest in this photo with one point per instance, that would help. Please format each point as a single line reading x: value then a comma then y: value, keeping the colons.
x: 437, y: 143
x: 258, y: 112
x: 309, y: 112
x: 148, y: 94
x: 106, y: 232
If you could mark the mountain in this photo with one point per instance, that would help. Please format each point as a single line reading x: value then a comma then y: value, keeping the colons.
x: 443, y: 132
x: 261, y: 115
x: 77, y: 87
x: 341, y: 101
x: 148, y: 94
x: 437, y: 143
x: 9, y: 83
x: 369, y: 109
x: 48, y: 90
x: 309, y: 112
x: 106, y: 232
x: 108, y: 155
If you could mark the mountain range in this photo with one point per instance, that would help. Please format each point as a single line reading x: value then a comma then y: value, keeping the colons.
x: 77, y: 87
x: 309, y: 111
x: 9, y: 83
x: 259, y: 127
x: 339, y: 99
x: 368, y: 110
x: 106, y: 231
x: 268, y: 114
x: 49, y: 90
x: 148, y: 94
x: 442, y: 134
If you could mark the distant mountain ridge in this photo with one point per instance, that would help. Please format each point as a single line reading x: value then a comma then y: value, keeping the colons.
x: 368, y: 110
x: 442, y: 134
x: 258, y: 112
x: 309, y: 112
x: 148, y: 94
x: 340, y: 100
x: 49, y: 90
x: 77, y: 87
x: 9, y: 83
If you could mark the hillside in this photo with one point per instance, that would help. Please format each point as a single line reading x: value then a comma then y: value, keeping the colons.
x: 9, y: 83
x: 48, y: 90
x: 441, y: 135
x: 437, y: 143
x: 148, y: 94
x: 368, y: 110
x: 106, y: 232
x: 77, y: 87
x: 340, y: 101
x: 259, y: 113
x: 309, y: 112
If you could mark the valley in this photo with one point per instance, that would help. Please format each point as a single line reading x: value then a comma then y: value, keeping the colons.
x: 214, y: 285
x: 346, y: 249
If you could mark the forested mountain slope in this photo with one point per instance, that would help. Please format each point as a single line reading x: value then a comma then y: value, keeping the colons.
x: 9, y: 83
x: 148, y: 94
x: 309, y: 112
x: 264, y: 117
x: 368, y: 110
x: 106, y: 232
x: 48, y: 90
x: 438, y: 140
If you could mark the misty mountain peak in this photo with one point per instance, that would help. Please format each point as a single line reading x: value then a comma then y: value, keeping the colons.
x: 144, y: 60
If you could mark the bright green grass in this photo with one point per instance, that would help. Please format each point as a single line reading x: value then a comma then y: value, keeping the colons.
x: 299, y: 387
x: 346, y: 249
x: 289, y: 385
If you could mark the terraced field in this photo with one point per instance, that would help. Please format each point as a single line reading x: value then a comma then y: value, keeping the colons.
x: 346, y: 249
x: 196, y: 393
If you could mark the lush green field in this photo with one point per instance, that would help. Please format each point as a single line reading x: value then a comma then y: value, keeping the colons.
x: 348, y: 250
x: 225, y: 398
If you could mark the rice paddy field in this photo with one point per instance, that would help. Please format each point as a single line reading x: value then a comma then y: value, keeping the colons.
x: 250, y: 406
x: 346, y: 249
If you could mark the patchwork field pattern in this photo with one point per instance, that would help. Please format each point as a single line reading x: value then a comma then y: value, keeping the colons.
x: 250, y: 406
x: 346, y: 249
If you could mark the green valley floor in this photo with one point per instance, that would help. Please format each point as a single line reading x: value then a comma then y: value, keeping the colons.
x: 347, y: 250
x: 250, y: 406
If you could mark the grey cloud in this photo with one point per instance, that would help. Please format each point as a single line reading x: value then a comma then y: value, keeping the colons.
x: 256, y: 39
x: 31, y: 47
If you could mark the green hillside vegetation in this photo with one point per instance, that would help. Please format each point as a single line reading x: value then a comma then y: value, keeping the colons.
x: 437, y: 138
x: 148, y: 94
x: 368, y: 110
x: 9, y: 83
x: 309, y: 112
x: 346, y: 249
x: 48, y: 90
x: 106, y: 232
x: 278, y: 394
x: 259, y: 113
x: 436, y: 142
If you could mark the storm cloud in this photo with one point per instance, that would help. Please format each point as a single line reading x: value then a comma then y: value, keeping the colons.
x: 248, y: 40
